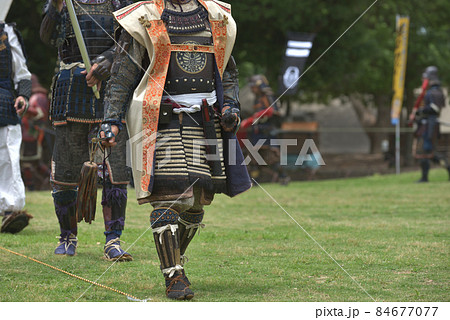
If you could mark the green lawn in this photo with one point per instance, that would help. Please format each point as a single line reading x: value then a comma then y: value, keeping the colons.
x: 389, y: 234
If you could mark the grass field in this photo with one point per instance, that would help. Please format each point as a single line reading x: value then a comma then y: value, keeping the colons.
x: 389, y: 235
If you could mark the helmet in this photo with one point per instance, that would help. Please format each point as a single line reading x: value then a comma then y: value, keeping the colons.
x: 259, y: 80
x: 261, y: 83
x: 431, y: 73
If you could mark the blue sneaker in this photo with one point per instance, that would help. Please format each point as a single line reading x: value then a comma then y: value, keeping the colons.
x: 67, y: 245
x: 113, y: 251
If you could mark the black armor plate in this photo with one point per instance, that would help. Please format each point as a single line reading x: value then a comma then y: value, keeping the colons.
x: 190, y: 72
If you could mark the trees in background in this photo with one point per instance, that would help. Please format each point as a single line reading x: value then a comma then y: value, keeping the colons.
x: 359, y: 63
x: 41, y: 58
x: 362, y: 59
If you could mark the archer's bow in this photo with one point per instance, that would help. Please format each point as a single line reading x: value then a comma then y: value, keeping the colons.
x: 80, y: 41
x: 418, y: 101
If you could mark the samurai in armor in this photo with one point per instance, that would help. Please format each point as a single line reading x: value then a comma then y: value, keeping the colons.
x: 262, y: 125
x: 265, y: 108
x: 15, y: 90
x: 427, y: 119
x: 35, y: 152
x: 176, y: 58
x: 76, y: 114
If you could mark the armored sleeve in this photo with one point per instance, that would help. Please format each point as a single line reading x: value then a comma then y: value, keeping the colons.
x: 105, y: 59
x: 231, y: 84
x: 21, y: 75
x: 437, y: 97
x: 125, y: 76
x: 104, y: 62
x: 434, y: 101
x: 52, y: 29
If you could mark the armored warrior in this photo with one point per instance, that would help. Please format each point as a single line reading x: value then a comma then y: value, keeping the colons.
x: 15, y: 90
x: 427, y: 119
x: 265, y: 109
x: 188, y: 94
x: 262, y: 125
x: 76, y: 113
x: 35, y: 151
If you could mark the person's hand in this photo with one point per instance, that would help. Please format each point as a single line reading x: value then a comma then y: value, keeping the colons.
x: 58, y: 4
x: 21, y: 105
x: 91, y: 80
x: 230, y: 119
x: 411, y: 119
x: 108, y: 131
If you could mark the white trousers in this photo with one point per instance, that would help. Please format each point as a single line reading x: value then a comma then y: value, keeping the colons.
x: 12, y: 189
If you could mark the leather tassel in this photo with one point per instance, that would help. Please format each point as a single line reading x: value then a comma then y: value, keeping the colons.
x: 87, y: 192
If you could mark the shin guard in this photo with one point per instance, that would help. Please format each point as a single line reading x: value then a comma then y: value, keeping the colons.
x: 114, y: 204
x: 188, y: 224
x: 65, y: 207
x: 425, y: 166
x: 166, y: 235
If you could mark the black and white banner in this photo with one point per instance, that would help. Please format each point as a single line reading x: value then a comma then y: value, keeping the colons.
x: 298, y: 49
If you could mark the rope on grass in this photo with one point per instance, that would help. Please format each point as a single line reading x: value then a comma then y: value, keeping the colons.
x: 129, y: 296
